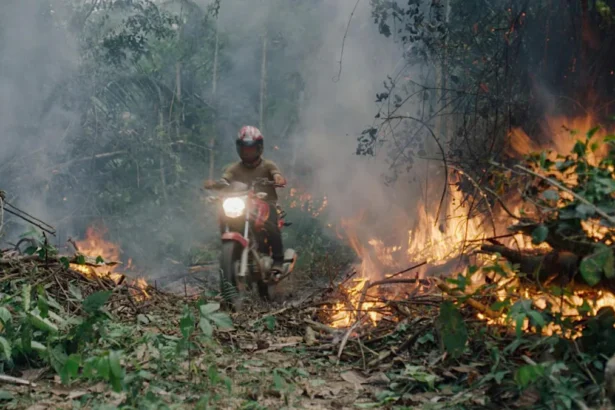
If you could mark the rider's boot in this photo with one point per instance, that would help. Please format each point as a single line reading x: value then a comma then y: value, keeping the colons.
x: 277, y: 268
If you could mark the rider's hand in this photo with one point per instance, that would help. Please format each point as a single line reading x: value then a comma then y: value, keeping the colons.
x: 279, y: 179
x: 209, y: 184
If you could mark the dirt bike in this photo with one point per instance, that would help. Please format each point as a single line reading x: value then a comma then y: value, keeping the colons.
x: 246, y: 259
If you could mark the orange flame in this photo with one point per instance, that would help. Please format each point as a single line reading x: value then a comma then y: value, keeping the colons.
x: 438, y: 240
x: 94, y: 246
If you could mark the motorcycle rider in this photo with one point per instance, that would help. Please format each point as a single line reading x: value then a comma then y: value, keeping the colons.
x: 250, y: 145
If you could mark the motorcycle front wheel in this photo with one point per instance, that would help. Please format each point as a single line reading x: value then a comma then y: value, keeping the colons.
x: 232, y: 290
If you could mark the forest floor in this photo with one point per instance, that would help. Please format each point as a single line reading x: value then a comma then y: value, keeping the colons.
x: 259, y: 363
x: 98, y: 344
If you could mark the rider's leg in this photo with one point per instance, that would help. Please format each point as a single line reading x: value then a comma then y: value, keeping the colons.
x: 275, y: 237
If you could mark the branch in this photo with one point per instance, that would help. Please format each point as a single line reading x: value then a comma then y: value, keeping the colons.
x: 339, y: 73
x: 443, y: 160
x: 565, y: 189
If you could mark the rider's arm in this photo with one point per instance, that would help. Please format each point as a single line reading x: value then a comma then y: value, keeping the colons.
x: 275, y: 173
x: 225, y: 180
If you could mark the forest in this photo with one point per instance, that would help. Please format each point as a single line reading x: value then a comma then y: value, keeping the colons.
x: 447, y: 211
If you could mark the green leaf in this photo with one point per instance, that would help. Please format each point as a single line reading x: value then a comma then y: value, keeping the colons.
x: 609, y: 138
x: 222, y: 320
x: 453, y: 329
x: 427, y: 337
x: 528, y: 374
x: 592, y: 132
x: 186, y: 323
x: 270, y: 322
x: 6, y: 395
x: 65, y: 262
x: 70, y: 371
x: 114, y: 363
x: 5, y: 348
x: 25, y: 297
x: 539, y: 235
x: 95, y: 301
x: 115, y: 371
x: 607, y: 183
x: 38, y: 346
x: 592, y: 266
x: 212, y: 373
x: 42, y: 324
x: 5, y: 315
x: 579, y: 149
x: 537, y: 318
x: 42, y: 304
x: 80, y: 259
x: 75, y: 291
x: 100, y: 260
x: 57, y: 358
x: 206, y: 327
x: 550, y: 195
x: 209, y: 308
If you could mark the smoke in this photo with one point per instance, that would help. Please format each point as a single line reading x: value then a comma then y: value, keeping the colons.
x: 36, y: 54
x: 340, y: 105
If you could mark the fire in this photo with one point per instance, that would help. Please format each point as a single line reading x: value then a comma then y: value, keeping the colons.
x: 345, y: 313
x: 306, y: 202
x: 562, y: 133
x: 437, y: 240
x: 95, y: 246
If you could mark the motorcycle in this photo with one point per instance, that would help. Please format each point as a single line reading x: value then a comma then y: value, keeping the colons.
x: 246, y: 259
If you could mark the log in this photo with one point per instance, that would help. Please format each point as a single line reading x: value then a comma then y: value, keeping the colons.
x: 559, y: 266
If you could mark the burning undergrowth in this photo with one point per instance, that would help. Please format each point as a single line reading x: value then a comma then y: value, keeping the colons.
x: 535, y: 241
x: 94, y: 267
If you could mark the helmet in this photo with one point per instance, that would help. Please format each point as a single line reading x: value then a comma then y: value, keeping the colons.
x: 249, y: 145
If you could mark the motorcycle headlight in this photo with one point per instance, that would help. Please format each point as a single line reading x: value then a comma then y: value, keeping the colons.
x: 234, y: 207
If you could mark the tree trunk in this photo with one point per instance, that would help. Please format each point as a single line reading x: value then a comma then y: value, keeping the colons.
x: 163, y: 180
x: 214, y: 82
x: 263, y: 83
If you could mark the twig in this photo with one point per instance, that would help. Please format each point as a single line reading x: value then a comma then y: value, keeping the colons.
x: 339, y: 73
x: 29, y: 221
x: 474, y: 303
x: 394, y: 281
x: 406, y: 270
x: 356, y: 323
x: 27, y: 214
x: 15, y: 380
x: 320, y: 326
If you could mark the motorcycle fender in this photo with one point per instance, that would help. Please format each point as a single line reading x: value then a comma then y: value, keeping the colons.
x: 235, y: 236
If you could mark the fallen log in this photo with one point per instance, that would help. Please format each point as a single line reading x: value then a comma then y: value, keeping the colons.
x: 560, y: 267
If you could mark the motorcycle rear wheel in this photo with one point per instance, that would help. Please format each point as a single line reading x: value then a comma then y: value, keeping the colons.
x: 233, y: 292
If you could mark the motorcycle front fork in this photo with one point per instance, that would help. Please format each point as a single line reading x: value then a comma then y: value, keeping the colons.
x: 243, y: 269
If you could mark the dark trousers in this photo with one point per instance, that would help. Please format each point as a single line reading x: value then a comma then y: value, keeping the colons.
x: 274, y: 236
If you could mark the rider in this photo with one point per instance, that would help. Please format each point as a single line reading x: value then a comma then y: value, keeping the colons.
x: 252, y: 166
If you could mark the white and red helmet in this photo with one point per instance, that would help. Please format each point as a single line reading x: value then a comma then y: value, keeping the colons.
x: 250, y: 144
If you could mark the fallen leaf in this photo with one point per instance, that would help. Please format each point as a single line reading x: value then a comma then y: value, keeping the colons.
x: 354, y: 378
x: 310, y: 336
x: 98, y: 388
x: 527, y: 399
x: 464, y: 369
x: 378, y: 378
x: 75, y: 394
x: 33, y: 375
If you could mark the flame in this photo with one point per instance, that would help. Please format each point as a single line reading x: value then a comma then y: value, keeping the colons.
x: 94, y: 245
x: 562, y: 134
x: 305, y: 202
x: 437, y: 240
